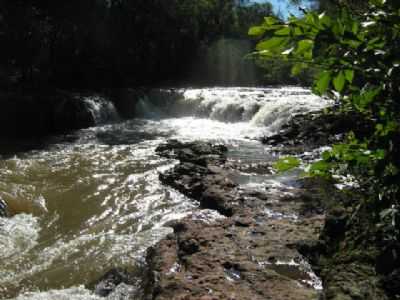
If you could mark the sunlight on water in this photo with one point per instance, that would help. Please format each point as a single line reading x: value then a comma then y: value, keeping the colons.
x: 261, y: 107
x: 91, y: 200
x: 204, y: 129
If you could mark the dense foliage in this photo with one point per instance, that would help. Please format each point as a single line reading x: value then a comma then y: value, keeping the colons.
x: 356, y: 55
x: 85, y: 43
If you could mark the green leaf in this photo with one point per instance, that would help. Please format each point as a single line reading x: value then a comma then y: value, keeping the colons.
x: 377, y: 2
x: 271, y: 44
x: 326, y: 155
x: 304, y: 46
x: 349, y: 74
x: 339, y: 81
x: 320, y: 168
x: 325, y: 20
x: 271, y: 21
x: 366, y: 97
x: 323, y: 82
x: 257, y: 30
x: 283, y: 32
x: 297, y: 68
x: 286, y: 164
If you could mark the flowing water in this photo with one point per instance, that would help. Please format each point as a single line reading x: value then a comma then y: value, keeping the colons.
x: 89, y: 201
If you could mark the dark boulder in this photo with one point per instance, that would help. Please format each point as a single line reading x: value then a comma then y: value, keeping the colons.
x: 3, y: 209
x: 199, y: 153
x: 391, y: 283
x: 109, y: 282
x: 36, y: 114
x: 312, y: 251
x: 319, y: 129
x: 199, y: 175
x: 335, y: 223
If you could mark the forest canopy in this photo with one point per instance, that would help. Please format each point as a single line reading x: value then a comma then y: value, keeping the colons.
x: 84, y: 43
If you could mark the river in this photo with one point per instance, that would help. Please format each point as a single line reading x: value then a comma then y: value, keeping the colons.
x: 91, y: 200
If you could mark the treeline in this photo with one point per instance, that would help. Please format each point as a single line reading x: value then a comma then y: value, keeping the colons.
x: 114, y: 43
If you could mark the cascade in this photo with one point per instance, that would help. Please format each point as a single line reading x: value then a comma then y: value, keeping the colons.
x: 101, y: 109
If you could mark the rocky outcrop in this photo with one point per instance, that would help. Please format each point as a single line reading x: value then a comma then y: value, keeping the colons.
x: 234, y: 258
x: 307, y: 131
x: 248, y: 252
x: 199, y: 175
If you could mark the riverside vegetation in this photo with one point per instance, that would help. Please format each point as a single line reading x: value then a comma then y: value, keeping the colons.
x: 355, y: 56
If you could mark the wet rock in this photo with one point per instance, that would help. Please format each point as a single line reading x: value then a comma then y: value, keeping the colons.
x: 388, y: 260
x: 108, y: 283
x: 224, y: 260
x: 218, y: 198
x: 3, y: 209
x: 228, y: 258
x: 391, y: 283
x: 71, y: 113
x: 199, y: 153
x: 335, y: 223
x: 40, y: 114
x: 318, y: 129
x: 312, y: 250
x: 199, y: 176
x: 257, y: 168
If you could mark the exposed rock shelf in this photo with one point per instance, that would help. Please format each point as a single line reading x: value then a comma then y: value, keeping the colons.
x: 249, y: 253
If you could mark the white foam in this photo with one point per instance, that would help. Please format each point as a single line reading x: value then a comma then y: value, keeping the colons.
x: 18, y: 235
x: 74, y: 293
x: 262, y: 107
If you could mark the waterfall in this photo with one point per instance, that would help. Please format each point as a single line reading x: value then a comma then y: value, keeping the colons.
x: 269, y: 108
x: 262, y: 107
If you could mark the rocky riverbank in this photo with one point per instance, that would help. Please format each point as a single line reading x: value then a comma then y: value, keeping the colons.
x: 283, y: 242
x: 262, y: 244
x: 247, y: 251
x: 355, y: 255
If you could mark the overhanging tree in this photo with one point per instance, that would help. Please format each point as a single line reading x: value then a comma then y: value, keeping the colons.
x: 356, y: 55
